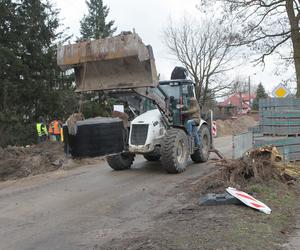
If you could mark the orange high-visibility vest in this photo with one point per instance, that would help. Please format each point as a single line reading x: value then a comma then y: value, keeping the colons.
x: 54, y: 127
x: 50, y: 130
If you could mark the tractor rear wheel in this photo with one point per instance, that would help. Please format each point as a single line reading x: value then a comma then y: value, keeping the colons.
x: 174, y: 153
x: 120, y: 161
x: 202, y: 154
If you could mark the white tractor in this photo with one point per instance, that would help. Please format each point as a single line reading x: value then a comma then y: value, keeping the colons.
x: 123, y: 66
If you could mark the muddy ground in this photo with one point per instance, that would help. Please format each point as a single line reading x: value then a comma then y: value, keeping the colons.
x: 219, y: 227
x: 191, y: 226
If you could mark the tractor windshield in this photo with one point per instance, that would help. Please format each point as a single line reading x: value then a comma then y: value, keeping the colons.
x: 171, y: 91
x: 177, y: 89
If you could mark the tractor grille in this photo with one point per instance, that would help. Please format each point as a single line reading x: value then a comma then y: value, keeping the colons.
x: 139, y: 134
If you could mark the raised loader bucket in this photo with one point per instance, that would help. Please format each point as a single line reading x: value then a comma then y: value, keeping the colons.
x: 121, y: 62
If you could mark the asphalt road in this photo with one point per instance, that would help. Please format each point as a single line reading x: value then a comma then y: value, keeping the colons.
x: 86, y: 207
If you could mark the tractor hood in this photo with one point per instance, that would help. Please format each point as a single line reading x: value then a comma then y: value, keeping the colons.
x: 149, y: 117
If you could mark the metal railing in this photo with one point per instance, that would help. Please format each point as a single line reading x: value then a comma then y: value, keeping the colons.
x: 241, y: 143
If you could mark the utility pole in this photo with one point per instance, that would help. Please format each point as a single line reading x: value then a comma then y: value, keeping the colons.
x: 241, y: 101
x: 249, y: 89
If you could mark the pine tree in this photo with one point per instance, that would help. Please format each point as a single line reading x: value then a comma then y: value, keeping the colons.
x: 94, y: 25
x: 31, y: 84
x: 10, y: 64
x: 38, y: 23
x: 260, y: 94
x: 11, y: 67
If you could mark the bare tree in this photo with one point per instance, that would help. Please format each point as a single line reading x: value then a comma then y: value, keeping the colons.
x: 204, y: 49
x: 267, y: 26
x: 243, y: 84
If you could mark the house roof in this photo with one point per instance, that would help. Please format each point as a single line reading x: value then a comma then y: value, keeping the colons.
x: 235, y: 101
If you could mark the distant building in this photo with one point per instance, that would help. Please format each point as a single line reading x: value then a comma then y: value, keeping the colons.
x: 239, y: 103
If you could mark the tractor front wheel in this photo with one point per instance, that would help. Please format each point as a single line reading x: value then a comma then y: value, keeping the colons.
x: 174, y: 153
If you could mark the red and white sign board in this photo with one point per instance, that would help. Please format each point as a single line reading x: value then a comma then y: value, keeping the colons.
x: 214, y: 129
x: 249, y: 200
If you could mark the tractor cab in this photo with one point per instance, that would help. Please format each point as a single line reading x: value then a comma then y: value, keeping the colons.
x: 178, y: 93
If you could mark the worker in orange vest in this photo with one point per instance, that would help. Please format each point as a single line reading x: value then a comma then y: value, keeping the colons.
x: 55, y: 128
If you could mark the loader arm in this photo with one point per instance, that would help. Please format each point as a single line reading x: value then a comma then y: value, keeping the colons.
x: 162, y: 104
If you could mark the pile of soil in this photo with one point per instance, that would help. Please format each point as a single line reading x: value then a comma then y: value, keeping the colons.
x: 18, y: 162
x: 235, y: 125
x: 256, y: 166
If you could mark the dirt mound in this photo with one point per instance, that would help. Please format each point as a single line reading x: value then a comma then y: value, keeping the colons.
x: 256, y: 166
x: 235, y: 125
x: 18, y: 162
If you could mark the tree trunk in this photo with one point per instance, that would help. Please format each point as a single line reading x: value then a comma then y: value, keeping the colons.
x: 4, y: 104
x: 198, y: 88
x: 198, y: 92
x: 295, y: 36
x: 204, y: 99
x: 297, y: 68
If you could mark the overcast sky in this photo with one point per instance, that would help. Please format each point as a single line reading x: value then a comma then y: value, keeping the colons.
x: 149, y: 17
